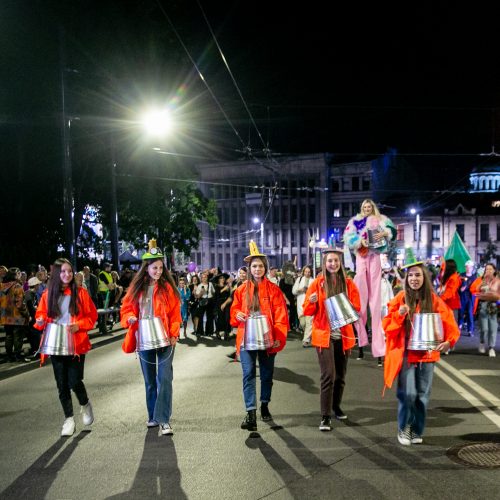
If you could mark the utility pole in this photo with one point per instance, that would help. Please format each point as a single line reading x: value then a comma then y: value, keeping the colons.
x: 68, y: 200
x: 114, y: 209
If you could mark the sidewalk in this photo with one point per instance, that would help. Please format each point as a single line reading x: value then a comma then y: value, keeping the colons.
x: 9, y: 369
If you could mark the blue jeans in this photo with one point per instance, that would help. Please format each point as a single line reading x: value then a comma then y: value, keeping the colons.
x: 414, y: 390
x: 248, y: 361
x: 156, y: 365
x: 489, y: 326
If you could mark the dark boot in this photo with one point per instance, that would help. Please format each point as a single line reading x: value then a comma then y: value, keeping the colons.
x: 264, y: 412
x: 250, y: 421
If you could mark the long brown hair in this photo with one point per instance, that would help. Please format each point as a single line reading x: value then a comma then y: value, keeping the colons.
x: 422, y: 296
x: 253, y: 302
x: 142, y: 280
x: 54, y: 289
x: 335, y: 283
x: 449, y: 269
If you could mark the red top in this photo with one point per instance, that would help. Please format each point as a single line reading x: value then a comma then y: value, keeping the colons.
x: 85, y: 319
x: 166, y: 305
x: 272, y: 304
x: 321, y: 324
x: 395, y: 332
x: 450, y: 291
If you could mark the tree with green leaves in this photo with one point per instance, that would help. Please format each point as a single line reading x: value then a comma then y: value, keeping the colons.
x: 166, y: 210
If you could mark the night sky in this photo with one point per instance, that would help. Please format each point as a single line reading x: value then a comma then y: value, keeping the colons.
x: 351, y: 80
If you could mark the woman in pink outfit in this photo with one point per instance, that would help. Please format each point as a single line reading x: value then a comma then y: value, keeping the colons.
x: 369, y: 221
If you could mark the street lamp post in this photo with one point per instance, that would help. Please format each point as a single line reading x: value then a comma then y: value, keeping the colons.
x: 256, y: 220
x: 415, y: 212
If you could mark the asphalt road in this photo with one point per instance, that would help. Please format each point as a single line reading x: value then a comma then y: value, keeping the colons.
x: 210, y: 457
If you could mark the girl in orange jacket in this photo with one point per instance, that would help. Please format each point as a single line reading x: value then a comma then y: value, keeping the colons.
x: 332, y: 346
x: 414, y: 368
x: 65, y: 303
x: 258, y: 295
x: 153, y: 293
x: 449, y: 287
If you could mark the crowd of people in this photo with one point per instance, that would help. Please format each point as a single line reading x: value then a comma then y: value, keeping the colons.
x: 257, y: 306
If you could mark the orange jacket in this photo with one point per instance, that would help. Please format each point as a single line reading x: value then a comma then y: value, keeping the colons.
x: 272, y: 304
x: 85, y: 319
x: 166, y: 305
x: 475, y: 289
x: 321, y: 324
x: 450, y: 291
x: 395, y: 333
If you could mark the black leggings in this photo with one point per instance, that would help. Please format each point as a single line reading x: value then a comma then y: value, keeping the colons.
x: 68, y: 372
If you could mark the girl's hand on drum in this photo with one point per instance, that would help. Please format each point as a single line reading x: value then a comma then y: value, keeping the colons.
x: 403, y: 310
x: 276, y: 343
x: 131, y: 320
x: 241, y: 316
x: 444, y: 347
x: 173, y: 341
x: 73, y: 328
x: 40, y: 321
x: 313, y: 298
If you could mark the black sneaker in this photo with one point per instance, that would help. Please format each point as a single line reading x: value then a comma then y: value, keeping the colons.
x: 339, y: 414
x: 326, y: 424
x: 360, y: 353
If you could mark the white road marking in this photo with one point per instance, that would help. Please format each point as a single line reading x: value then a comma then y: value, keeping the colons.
x: 472, y: 385
x: 473, y: 400
x: 481, y: 373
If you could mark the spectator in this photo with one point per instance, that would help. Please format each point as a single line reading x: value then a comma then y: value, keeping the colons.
x: 185, y: 295
x: 91, y: 283
x: 205, y: 293
x: 43, y: 276
x: 14, y: 314
x: 80, y: 280
x: 466, y: 299
x: 31, y: 300
x: 105, y: 289
x: 222, y: 305
x: 299, y: 290
x: 193, y: 301
x: 487, y: 291
x: 273, y: 275
x: 3, y: 272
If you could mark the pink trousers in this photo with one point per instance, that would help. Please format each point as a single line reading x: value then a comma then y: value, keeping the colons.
x: 368, y: 280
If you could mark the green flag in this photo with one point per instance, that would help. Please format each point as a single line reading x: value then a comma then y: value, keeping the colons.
x: 458, y: 252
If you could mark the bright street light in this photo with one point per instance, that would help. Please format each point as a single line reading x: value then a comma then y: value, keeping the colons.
x: 157, y: 123
x: 255, y: 220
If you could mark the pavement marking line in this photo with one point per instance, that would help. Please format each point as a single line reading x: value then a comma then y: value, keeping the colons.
x: 489, y: 414
x: 481, y: 373
x: 472, y: 385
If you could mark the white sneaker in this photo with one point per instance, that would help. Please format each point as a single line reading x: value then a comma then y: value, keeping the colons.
x: 152, y: 423
x: 404, y: 436
x: 87, y: 414
x: 68, y: 428
x: 481, y: 349
x: 166, y: 430
x: 492, y: 353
